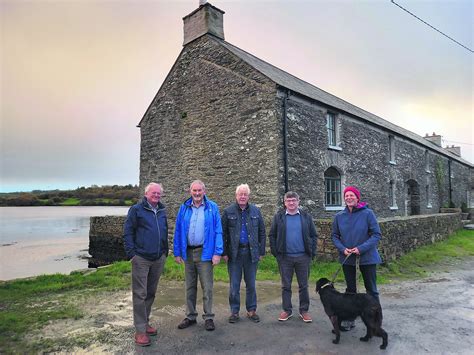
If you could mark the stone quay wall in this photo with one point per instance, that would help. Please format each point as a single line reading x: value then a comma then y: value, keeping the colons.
x: 399, y: 236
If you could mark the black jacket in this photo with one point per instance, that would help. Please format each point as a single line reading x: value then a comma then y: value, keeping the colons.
x: 277, y: 234
x: 231, y: 225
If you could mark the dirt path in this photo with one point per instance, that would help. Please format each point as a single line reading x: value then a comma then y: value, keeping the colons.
x: 433, y: 316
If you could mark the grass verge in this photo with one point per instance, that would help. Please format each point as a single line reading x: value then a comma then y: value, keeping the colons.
x: 27, y: 305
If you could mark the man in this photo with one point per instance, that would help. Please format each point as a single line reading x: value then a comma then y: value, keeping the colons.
x: 146, y: 245
x: 244, y: 246
x: 293, y: 242
x: 198, y: 244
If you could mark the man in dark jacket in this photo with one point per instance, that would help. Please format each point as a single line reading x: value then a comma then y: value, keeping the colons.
x: 146, y: 245
x: 244, y: 245
x: 293, y: 242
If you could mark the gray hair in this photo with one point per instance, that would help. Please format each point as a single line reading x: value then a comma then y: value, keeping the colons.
x: 291, y: 194
x: 243, y: 187
x: 153, y: 184
x: 197, y: 182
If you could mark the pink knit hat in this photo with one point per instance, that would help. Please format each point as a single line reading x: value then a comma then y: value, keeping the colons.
x: 352, y: 189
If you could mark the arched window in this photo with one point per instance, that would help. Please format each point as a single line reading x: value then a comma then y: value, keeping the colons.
x: 332, y: 180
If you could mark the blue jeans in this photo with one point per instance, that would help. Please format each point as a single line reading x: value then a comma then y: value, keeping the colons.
x: 368, y: 274
x: 300, y: 266
x: 244, y: 264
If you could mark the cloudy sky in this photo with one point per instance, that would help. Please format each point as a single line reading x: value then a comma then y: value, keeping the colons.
x: 77, y: 75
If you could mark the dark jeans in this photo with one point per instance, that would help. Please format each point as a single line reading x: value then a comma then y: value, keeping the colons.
x: 145, y: 277
x: 301, y: 266
x: 369, y: 275
x: 244, y: 264
x: 194, y: 268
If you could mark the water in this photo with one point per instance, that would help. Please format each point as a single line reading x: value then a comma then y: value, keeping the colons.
x: 46, y: 240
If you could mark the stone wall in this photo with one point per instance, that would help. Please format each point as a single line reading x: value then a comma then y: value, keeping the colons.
x: 362, y: 158
x: 399, y: 236
x: 213, y: 119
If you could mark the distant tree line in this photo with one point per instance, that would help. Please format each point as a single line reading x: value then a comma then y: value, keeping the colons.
x: 107, y: 195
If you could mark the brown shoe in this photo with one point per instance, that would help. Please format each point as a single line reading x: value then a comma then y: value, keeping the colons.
x: 150, y: 330
x: 253, y: 316
x: 306, y: 317
x: 209, y: 325
x: 141, y: 339
x: 186, y: 323
x: 284, y: 316
x: 234, y: 318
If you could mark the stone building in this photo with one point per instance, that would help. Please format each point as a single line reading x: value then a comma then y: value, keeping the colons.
x: 227, y: 117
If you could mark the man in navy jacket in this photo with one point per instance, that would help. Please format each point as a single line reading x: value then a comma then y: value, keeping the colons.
x: 146, y: 245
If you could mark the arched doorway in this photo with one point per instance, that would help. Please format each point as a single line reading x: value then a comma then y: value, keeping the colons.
x: 413, y: 198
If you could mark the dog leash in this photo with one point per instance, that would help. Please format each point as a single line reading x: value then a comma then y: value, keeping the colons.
x: 339, y: 269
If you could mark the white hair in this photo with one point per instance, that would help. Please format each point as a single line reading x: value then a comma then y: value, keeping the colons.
x: 153, y: 184
x: 197, y: 182
x: 242, y: 187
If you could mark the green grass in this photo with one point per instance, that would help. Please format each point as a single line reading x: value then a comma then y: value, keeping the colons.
x: 29, y: 304
x: 72, y: 201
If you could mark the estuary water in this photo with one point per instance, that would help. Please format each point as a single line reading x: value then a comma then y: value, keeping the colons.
x: 46, y: 240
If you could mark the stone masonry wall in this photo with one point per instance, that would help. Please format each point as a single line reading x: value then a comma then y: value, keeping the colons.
x: 363, y: 159
x: 399, y: 235
x: 213, y: 119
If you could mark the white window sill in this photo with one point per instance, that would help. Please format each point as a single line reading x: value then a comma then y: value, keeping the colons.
x: 334, y: 147
x: 333, y: 208
x: 428, y: 171
x: 393, y: 208
x: 392, y: 162
x: 429, y: 205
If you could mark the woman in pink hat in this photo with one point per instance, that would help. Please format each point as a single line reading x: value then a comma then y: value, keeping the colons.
x: 356, y: 234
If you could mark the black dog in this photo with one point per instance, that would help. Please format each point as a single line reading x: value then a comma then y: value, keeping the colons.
x: 339, y: 307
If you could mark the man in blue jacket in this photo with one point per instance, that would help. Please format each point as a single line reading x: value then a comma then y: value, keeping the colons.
x: 146, y: 245
x: 198, y: 244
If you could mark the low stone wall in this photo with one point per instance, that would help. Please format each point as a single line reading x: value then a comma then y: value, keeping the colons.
x: 399, y: 236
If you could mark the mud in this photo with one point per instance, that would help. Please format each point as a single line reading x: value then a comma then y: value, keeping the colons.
x: 434, y: 315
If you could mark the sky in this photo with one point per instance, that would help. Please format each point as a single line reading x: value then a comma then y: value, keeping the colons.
x: 78, y: 75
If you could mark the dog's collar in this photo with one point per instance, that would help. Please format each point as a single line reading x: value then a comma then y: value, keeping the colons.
x: 325, y: 285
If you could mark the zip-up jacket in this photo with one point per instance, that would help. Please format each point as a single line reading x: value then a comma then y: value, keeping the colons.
x: 357, y: 229
x: 146, y: 233
x: 232, y: 224
x: 277, y: 234
x: 213, y: 244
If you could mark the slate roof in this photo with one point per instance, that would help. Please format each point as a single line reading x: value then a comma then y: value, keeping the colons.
x: 286, y: 80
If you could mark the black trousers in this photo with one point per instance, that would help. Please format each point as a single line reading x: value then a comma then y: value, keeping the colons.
x: 369, y: 274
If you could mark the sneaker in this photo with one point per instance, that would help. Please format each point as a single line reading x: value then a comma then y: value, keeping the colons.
x: 141, y: 339
x: 186, y: 323
x: 150, y: 330
x: 209, y: 324
x: 253, y: 316
x: 234, y: 318
x: 347, y: 325
x: 306, y: 317
x: 285, y: 316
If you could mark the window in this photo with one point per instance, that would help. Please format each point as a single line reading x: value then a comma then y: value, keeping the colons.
x: 331, y: 127
x: 391, y: 148
x: 392, y: 196
x: 332, y: 179
x: 427, y: 161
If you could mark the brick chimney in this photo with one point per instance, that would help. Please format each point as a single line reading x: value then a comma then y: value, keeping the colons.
x: 454, y: 150
x: 435, y: 138
x: 205, y: 19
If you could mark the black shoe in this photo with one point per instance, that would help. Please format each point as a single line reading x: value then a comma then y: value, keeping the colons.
x: 234, y: 318
x: 253, y: 316
x: 347, y: 325
x: 186, y: 323
x: 209, y: 325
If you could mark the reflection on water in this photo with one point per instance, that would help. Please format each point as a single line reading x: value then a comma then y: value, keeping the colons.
x: 45, y: 240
